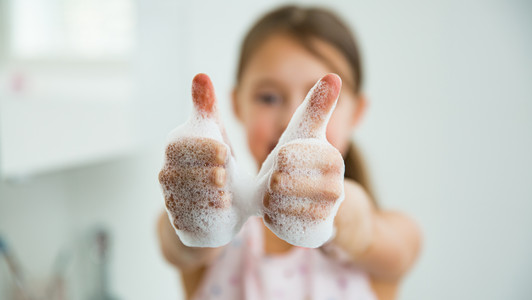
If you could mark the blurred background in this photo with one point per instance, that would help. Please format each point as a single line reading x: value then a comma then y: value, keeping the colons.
x: 90, y: 88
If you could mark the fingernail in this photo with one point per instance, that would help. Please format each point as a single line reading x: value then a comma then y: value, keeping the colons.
x: 221, y: 155
x: 219, y: 177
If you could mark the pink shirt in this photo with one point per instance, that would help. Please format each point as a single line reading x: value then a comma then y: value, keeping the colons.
x: 244, y: 271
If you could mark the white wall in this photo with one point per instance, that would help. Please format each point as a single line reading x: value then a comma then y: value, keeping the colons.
x: 447, y: 137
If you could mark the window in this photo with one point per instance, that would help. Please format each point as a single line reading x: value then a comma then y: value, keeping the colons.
x: 66, y: 83
x: 71, y: 29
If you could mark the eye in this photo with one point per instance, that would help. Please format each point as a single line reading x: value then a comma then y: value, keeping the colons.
x: 268, y: 98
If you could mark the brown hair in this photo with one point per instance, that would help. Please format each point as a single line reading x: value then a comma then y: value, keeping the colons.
x: 304, y: 25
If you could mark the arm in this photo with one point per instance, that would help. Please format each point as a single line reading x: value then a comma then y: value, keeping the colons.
x: 384, y: 243
x: 190, y: 261
x: 193, y: 179
x: 198, y: 164
x: 185, y: 258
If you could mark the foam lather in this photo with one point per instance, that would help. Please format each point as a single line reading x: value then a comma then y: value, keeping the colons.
x: 298, y: 189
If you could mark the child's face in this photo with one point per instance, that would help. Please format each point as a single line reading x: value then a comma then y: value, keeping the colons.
x: 276, y: 80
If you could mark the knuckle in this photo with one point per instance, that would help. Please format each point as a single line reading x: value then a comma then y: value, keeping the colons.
x: 267, y: 218
x: 174, y: 204
x: 176, y: 223
x: 266, y: 200
x: 162, y: 176
x: 172, y: 150
x: 319, y: 212
x: 170, y: 202
x: 166, y: 178
x: 333, y: 188
x: 177, y: 150
x: 338, y: 166
x: 332, y: 194
x: 335, y: 158
x: 276, y: 181
x: 288, y: 151
x: 196, y: 151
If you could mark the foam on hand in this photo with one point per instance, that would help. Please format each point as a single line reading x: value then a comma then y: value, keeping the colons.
x: 298, y: 189
x: 307, y: 173
x: 200, y: 183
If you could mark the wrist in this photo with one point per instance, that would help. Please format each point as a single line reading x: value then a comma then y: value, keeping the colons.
x: 354, y: 221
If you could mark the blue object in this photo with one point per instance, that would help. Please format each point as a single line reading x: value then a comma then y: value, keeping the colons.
x: 3, y: 246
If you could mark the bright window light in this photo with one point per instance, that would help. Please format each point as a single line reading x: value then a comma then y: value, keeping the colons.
x: 71, y: 29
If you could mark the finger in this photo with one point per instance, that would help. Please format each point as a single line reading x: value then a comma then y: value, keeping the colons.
x: 274, y: 204
x: 319, y: 188
x: 179, y: 204
x: 203, y: 96
x: 303, y: 157
x: 205, y: 103
x: 311, y: 117
x: 189, y: 152
x: 184, y: 193
x: 192, y: 180
x: 183, y: 197
x: 219, y: 177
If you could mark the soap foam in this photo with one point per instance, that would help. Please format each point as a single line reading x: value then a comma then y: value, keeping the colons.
x: 202, y: 214
x: 303, y: 221
x: 192, y: 200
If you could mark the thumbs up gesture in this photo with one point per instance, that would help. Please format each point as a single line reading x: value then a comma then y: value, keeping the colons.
x: 298, y: 190
x: 301, y: 181
x: 196, y: 176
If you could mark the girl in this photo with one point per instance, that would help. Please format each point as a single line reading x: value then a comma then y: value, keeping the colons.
x: 281, y: 58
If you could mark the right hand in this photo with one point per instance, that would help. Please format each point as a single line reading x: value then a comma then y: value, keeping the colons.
x: 195, y: 177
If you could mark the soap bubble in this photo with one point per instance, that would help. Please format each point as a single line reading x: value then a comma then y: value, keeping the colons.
x: 298, y: 189
x: 301, y: 181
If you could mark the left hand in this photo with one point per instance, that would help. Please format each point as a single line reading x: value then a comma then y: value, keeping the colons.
x: 306, y: 179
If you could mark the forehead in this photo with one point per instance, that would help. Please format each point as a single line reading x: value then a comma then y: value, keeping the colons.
x: 282, y: 58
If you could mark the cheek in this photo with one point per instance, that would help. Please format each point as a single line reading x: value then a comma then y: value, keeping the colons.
x: 338, y: 133
x: 259, y: 132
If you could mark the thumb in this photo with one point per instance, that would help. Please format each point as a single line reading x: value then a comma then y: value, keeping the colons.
x: 203, y: 96
x: 311, y: 117
x: 205, y: 102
